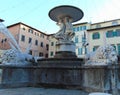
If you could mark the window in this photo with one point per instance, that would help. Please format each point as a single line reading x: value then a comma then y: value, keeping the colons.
x: 30, y: 30
x: 76, y: 39
x: 23, y: 28
x: 40, y: 54
x: 41, y: 44
x: 80, y: 28
x: 30, y: 40
x: 114, y: 23
x: 47, y: 47
x: 84, y: 37
x: 30, y: 52
x: 52, y: 43
x: 110, y: 33
x: 77, y: 28
x: 79, y: 51
x: 74, y: 29
x: 23, y: 38
x: 117, y: 32
x: 51, y: 53
x: 35, y: 33
x: 96, y: 35
x: 95, y: 48
x: 84, y: 28
x: 98, y: 26
x: 42, y: 35
x: 46, y: 55
x: 36, y: 42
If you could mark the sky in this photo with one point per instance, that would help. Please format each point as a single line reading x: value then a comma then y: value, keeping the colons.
x: 35, y: 12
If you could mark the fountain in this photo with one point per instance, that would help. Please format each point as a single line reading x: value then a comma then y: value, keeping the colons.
x: 105, y: 56
x: 60, y: 71
x: 65, y: 70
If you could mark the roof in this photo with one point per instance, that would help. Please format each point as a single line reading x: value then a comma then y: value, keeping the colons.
x: 105, y: 21
x: 104, y: 27
x: 27, y: 26
x: 80, y: 23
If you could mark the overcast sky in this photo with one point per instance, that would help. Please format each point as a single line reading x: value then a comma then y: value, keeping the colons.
x: 35, y: 12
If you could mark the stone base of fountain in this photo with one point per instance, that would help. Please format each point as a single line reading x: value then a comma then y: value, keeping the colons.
x: 65, y: 49
x: 63, y: 73
x: 60, y: 73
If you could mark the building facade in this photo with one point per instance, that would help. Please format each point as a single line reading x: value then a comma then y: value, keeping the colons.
x: 107, y: 33
x: 88, y: 37
x: 27, y: 37
x: 52, y: 46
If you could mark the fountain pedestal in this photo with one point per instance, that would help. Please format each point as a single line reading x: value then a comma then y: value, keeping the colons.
x: 65, y: 16
x: 65, y: 50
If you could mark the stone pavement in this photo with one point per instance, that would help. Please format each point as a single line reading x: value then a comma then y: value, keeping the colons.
x: 40, y: 91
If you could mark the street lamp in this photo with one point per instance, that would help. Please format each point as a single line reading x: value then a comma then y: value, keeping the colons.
x: 84, y: 43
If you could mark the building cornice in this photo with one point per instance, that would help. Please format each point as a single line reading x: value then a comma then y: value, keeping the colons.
x: 27, y: 26
x: 104, y: 27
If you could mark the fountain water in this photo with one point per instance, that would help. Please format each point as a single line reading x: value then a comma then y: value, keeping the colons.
x: 10, y: 37
x: 13, y: 56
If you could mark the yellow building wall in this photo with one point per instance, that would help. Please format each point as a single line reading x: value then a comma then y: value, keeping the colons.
x: 52, y: 46
x: 103, y: 39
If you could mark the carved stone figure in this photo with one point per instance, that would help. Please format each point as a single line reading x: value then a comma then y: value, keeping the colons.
x: 104, y: 55
x: 65, y: 33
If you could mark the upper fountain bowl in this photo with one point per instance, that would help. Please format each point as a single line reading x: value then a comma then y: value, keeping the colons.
x: 60, y: 12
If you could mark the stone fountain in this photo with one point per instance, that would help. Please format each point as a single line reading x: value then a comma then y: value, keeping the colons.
x: 60, y: 71
x: 65, y: 70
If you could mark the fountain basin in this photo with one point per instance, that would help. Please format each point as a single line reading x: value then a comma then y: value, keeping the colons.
x: 59, y: 73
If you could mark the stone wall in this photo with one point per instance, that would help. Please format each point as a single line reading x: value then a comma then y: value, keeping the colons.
x: 64, y: 75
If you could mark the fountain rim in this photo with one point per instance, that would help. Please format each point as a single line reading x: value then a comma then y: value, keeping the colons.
x: 69, y: 8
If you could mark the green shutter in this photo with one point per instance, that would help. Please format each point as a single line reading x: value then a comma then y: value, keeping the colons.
x: 92, y: 36
x: 93, y: 48
x: 98, y: 35
x: 106, y: 34
x: 115, y: 33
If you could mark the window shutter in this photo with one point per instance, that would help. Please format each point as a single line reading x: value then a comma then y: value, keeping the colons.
x: 98, y: 35
x: 107, y: 34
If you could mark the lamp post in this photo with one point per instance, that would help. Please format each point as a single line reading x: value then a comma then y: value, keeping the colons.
x: 84, y: 43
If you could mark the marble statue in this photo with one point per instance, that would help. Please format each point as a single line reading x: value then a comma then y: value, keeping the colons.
x: 14, y: 57
x: 104, y: 55
x: 66, y: 29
